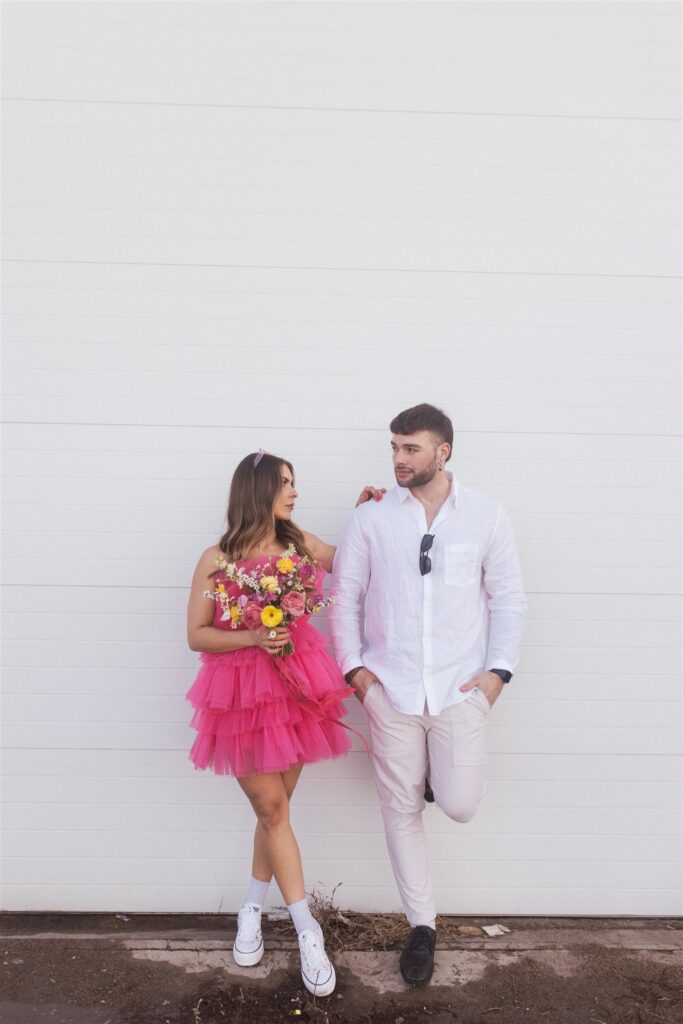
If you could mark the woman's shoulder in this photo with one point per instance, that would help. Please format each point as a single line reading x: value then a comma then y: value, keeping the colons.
x: 313, y: 543
x: 322, y: 553
x: 207, y: 559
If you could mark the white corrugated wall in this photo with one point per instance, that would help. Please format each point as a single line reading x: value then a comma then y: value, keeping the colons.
x: 233, y: 226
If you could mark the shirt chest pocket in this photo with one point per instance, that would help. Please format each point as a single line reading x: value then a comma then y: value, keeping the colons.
x: 462, y: 565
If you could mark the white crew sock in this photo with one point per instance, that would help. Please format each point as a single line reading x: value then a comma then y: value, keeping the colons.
x: 302, y: 918
x: 256, y: 893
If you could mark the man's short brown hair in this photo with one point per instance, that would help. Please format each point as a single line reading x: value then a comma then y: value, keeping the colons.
x: 424, y: 417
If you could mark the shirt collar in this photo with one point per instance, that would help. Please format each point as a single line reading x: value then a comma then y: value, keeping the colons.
x: 402, y: 493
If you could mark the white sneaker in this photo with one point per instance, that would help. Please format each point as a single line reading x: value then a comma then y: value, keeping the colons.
x: 316, y: 970
x: 247, y: 949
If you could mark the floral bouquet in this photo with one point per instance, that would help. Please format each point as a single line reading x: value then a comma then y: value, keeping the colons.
x: 277, y: 598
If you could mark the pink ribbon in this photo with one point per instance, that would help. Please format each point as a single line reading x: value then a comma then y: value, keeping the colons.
x: 319, y: 707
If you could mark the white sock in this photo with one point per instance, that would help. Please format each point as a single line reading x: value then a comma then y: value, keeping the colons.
x: 256, y: 893
x: 302, y: 918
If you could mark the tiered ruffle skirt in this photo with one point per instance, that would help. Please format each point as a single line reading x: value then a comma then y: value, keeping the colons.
x: 253, y: 715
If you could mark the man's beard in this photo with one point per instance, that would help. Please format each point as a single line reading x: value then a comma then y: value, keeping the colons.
x: 420, y: 479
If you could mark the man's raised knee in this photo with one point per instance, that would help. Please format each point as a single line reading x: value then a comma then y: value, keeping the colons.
x: 461, y: 811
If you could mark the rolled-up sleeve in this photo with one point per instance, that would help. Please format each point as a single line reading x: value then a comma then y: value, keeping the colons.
x: 350, y: 578
x: 506, y: 600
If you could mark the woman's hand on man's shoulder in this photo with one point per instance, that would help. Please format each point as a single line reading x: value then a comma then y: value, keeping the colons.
x: 370, y: 493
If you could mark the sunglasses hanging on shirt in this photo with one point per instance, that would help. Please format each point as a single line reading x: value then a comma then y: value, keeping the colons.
x: 425, y: 547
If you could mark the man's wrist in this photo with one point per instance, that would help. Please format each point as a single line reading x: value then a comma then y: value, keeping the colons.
x: 502, y: 674
x: 348, y: 676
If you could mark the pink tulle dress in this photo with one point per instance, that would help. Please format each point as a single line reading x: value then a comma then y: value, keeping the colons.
x: 256, y: 713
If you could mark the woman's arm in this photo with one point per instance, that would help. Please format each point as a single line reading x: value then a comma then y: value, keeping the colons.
x: 202, y: 635
x: 322, y: 552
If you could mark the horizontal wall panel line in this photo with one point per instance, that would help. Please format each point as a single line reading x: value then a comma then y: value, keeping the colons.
x: 208, y: 158
x: 551, y: 697
x: 348, y: 136
x: 293, y: 55
x: 184, y: 590
x: 381, y: 461
x: 81, y: 424
x: 337, y: 323
x: 365, y: 430
x: 182, y: 643
x: 312, y: 482
x: 181, y: 753
x: 187, y: 673
x: 557, y: 539
x: 222, y: 887
x: 322, y: 216
x: 366, y: 860
x: 354, y: 269
x: 432, y: 194
x: 179, y: 614
x: 355, y: 350
x: 199, y: 804
x: 462, y: 379
x: 379, y: 832
x: 352, y: 753
x: 343, y: 778
x: 346, y: 110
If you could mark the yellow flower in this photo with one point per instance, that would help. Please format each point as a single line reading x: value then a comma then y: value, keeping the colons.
x: 234, y: 613
x: 271, y: 616
x: 284, y: 565
x: 269, y: 583
x: 221, y: 588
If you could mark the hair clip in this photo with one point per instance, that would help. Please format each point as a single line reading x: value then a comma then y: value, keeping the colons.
x: 259, y: 456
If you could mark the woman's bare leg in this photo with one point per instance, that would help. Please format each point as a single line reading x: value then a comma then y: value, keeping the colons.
x: 276, y: 851
x: 261, y: 868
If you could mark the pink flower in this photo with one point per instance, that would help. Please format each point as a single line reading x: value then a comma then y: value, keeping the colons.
x: 251, y: 616
x: 294, y: 603
x: 307, y: 576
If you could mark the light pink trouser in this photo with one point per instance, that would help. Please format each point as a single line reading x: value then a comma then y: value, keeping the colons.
x: 457, y: 772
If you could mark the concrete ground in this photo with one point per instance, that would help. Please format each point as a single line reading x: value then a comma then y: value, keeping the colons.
x: 159, y: 969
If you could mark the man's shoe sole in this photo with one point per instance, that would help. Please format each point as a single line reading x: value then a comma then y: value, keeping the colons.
x: 248, y: 959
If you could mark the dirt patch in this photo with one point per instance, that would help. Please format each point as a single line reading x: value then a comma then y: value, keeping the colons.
x: 604, y: 992
x: 103, y: 980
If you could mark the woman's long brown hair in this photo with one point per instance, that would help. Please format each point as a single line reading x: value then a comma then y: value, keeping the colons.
x: 253, y: 492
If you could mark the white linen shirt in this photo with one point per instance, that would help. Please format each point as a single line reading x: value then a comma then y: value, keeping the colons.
x: 423, y: 636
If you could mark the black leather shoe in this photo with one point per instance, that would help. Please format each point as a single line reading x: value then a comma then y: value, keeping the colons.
x: 429, y: 793
x: 417, y: 959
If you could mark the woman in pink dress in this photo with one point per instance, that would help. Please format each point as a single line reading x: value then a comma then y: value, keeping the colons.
x: 249, y: 722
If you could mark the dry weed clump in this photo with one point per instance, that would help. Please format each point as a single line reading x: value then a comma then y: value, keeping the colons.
x: 350, y: 930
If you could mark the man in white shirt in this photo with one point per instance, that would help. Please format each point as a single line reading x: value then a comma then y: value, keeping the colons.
x: 427, y: 626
